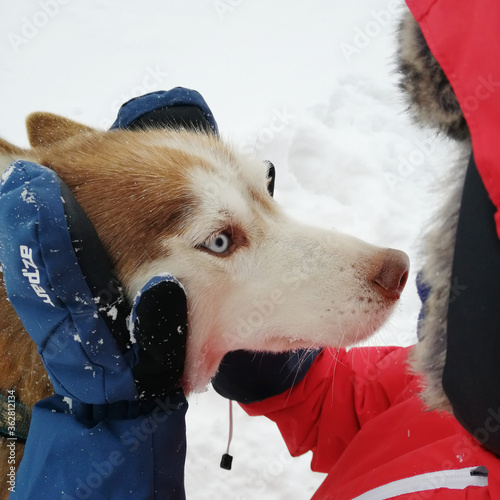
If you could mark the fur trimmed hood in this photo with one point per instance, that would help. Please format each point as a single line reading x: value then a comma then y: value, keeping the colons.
x: 451, y: 75
x: 451, y: 80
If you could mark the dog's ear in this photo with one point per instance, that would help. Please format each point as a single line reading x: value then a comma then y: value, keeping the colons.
x: 45, y: 129
x: 8, y: 149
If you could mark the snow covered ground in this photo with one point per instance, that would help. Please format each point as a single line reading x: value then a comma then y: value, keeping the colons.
x: 308, y: 85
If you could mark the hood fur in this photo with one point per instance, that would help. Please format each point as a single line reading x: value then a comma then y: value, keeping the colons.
x: 432, y: 103
x: 429, y: 95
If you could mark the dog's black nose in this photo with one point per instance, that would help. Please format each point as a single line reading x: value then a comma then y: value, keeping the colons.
x: 393, y: 274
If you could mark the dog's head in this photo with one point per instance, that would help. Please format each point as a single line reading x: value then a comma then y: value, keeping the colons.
x: 186, y: 203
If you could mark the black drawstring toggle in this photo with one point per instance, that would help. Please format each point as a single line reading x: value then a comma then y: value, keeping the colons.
x: 226, y: 461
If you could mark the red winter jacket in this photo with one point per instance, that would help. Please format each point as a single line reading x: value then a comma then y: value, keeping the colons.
x: 359, y: 412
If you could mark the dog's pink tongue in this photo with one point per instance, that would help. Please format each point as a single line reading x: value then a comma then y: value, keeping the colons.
x: 393, y: 274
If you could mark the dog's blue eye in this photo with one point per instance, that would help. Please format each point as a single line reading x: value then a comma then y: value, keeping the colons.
x: 218, y: 244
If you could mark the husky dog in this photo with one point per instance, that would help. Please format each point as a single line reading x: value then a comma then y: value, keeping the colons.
x: 186, y: 203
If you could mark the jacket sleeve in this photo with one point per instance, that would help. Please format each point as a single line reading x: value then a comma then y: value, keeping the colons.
x: 340, y: 393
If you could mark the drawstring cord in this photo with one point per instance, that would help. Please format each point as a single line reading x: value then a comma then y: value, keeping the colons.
x: 227, y: 460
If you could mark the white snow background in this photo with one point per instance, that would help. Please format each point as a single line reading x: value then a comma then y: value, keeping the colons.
x: 309, y: 85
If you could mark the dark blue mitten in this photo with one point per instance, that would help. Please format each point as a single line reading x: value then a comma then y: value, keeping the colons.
x: 115, y: 427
